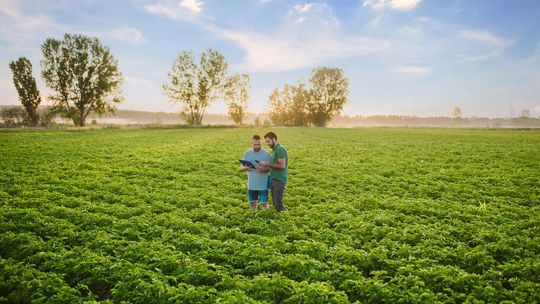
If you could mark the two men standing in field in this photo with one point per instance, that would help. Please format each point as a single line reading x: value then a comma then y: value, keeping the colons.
x: 276, y: 164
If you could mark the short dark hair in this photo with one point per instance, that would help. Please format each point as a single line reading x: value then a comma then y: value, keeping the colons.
x: 270, y: 135
x: 256, y: 137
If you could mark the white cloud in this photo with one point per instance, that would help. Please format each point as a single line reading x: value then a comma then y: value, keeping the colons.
x: 310, y: 36
x: 312, y: 16
x: 375, y: 22
x: 19, y: 29
x: 188, y: 10
x: 493, y: 45
x: 282, y: 53
x: 479, y: 57
x: 401, y: 5
x: 404, y: 4
x: 303, y: 8
x: 413, y: 70
x: 486, y: 38
x: 193, y: 5
x: 162, y: 9
x: 10, y: 8
x: 312, y: 11
x: 128, y: 34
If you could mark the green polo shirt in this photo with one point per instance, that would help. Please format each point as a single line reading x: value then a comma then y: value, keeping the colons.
x: 279, y: 152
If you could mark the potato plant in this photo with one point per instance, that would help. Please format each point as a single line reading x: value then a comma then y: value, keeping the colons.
x: 374, y: 216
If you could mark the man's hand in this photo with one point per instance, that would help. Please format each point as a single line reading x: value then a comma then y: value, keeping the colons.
x: 263, y: 164
x: 261, y: 170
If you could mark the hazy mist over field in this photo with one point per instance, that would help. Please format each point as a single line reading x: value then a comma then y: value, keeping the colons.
x: 408, y: 57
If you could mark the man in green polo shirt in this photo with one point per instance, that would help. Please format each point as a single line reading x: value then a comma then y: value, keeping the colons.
x: 278, y: 170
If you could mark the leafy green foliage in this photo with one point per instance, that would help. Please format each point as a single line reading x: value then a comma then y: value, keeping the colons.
x: 13, y: 116
x: 25, y: 83
x: 374, y: 215
x: 329, y: 93
x: 236, y: 97
x: 315, y: 104
x: 288, y: 107
x: 196, y: 86
x: 83, y: 75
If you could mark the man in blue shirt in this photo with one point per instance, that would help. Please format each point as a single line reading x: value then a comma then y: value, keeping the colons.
x: 258, y: 182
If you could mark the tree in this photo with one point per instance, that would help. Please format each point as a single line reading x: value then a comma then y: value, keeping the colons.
x: 456, y: 114
x: 257, y: 121
x: 526, y: 113
x: 12, y: 115
x: 329, y: 93
x: 196, y: 86
x: 279, y: 106
x: 84, y: 76
x: 298, y: 110
x: 236, y: 97
x: 289, y: 107
x: 26, y: 87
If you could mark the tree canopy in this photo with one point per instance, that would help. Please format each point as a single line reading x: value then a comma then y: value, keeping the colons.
x: 194, y: 85
x: 288, y: 107
x: 236, y: 97
x: 27, y: 89
x: 83, y: 75
x: 313, y: 104
x: 329, y: 93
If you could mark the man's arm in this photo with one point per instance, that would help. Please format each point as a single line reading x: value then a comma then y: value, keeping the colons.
x: 262, y: 169
x: 279, y: 166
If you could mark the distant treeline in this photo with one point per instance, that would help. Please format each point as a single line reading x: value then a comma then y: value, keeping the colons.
x: 440, y: 121
x: 126, y: 117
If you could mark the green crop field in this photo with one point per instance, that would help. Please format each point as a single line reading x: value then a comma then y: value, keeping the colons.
x: 374, y: 216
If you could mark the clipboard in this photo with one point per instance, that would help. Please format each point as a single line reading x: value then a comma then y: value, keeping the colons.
x: 247, y: 163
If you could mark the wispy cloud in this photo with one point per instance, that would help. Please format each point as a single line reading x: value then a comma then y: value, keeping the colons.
x: 19, y: 28
x: 310, y: 36
x: 493, y: 45
x: 301, y: 10
x: 11, y: 8
x: 193, y: 5
x: 281, y: 53
x: 183, y: 10
x: 401, y: 5
x: 479, y: 57
x: 412, y: 70
x: 162, y: 9
x: 314, y: 11
x: 375, y: 22
x: 127, y: 34
x: 304, y: 8
x: 485, y: 37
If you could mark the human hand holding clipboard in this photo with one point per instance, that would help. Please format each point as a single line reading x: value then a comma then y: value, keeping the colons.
x: 247, y: 164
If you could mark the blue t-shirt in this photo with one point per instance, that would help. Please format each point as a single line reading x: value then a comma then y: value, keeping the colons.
x: 256, y: 180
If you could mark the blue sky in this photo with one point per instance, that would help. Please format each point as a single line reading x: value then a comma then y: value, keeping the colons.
x: 412, y: 57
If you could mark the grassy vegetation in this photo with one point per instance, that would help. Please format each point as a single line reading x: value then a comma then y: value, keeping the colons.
x: 374, y: 215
